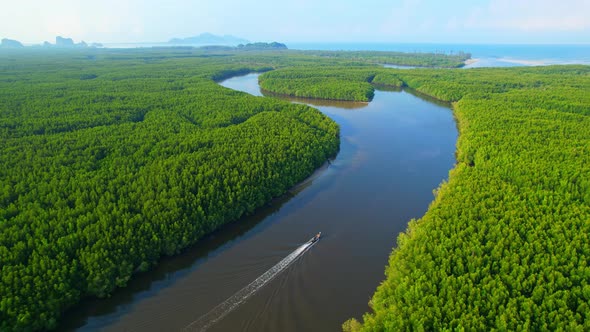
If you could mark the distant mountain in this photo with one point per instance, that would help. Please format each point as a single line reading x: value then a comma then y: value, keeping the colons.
x: 64, y: 42
x: 10, y: 43
x: 208, y: 39
x: 61, y: 42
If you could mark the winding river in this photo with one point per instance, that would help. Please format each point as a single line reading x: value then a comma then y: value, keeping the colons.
x: 394, y: 151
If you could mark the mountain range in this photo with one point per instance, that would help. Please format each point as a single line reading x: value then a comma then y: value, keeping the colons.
x: 209, y: 39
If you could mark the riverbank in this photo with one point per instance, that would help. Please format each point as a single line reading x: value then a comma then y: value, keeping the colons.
x: 501, y: 196
x: 162, y: 158
x: 359, y: 202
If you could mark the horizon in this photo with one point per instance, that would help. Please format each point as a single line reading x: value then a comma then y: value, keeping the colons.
x: 352, y: 42
x: 327, y: 42
x: 483, y: 22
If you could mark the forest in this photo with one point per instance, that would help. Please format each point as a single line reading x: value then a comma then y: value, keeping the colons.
x: 334, y: 82
x: 352, y: 82
x: 505, y: 244
x: 112, y: 159
x: 415, y: 59
x: 115, y: 158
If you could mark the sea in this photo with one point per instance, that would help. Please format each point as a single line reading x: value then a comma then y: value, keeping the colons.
x: 485, y: 55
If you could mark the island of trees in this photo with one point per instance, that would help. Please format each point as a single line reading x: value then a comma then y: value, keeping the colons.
x: 263, y: 46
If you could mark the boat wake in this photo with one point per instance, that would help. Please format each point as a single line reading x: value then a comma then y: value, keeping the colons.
x: 227, y: 306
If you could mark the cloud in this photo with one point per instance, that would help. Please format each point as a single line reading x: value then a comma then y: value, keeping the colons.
x: 33, y: 21
x: 300, y: 20
x: 531, y: 15
x: 65, y: 21
x: 402, y: 16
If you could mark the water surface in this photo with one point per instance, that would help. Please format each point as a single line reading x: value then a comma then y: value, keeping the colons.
x: 490, y: 55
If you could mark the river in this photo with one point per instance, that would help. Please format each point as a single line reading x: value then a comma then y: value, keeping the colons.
x: 394, y: 151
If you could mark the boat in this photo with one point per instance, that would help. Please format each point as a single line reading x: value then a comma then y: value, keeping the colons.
x: 316, y: 238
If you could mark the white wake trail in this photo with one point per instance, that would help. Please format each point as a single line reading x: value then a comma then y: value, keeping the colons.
x: 227, y: 306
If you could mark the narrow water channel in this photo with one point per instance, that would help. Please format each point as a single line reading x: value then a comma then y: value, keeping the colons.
x: 394, y: 151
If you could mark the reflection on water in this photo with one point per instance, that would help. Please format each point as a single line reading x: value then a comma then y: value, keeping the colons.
x: 247, y: 84
x: 398, y: 66
x: 349, y: 105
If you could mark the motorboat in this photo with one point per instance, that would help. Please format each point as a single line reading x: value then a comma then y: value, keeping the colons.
x: 316, y: 237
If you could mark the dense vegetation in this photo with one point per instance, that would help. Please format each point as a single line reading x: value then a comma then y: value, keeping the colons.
x: 113, y: 159
x: 261, y: 46
x: 348, y: 75
x: 351, y: 82
x: 439, y: 60
x: 333, y: 82
x: 506, y: 243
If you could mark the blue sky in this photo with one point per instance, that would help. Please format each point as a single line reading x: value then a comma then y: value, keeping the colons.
x: 406, y: 21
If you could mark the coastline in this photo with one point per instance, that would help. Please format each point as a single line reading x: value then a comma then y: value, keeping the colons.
x: 471, y: 61
x: 525, y: 62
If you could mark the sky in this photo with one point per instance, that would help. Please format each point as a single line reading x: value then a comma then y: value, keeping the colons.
x: 392, y: 21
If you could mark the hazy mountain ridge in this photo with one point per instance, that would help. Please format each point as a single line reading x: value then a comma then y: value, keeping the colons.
x: 209, y: 39
x: 69, y: 42
x: 10, y: 43
x: 60, y: 42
